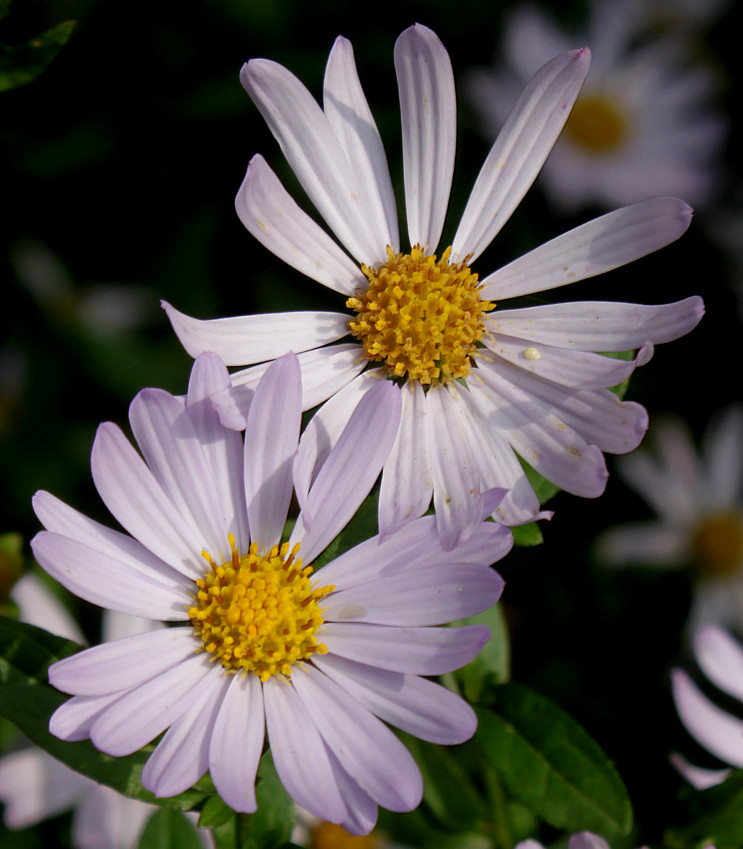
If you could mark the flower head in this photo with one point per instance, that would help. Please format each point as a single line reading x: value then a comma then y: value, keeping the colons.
x: 479, y: 382
x: 317, y: 659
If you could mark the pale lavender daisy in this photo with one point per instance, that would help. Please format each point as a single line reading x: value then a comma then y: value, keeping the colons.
x: 697, y: 495
x: 316, y: 662
x: 646, y: 123
x: 478, y: 387
x: 582, y: 840
x: 720, y: 657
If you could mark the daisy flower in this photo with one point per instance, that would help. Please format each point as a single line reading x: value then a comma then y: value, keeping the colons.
x: 34, y: 785
x: 479, y: 384
x: 646, y: 122
x: 720, y: 657
x: 698, y: 497
x: 582, y: 840
x: 316, y: 662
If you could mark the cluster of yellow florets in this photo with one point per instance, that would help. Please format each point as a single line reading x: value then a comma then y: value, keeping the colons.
x: 259, y: 613
x: 421, y: 317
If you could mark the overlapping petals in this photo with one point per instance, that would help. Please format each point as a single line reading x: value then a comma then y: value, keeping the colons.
x: 200, y: 488
x: 460, y: 439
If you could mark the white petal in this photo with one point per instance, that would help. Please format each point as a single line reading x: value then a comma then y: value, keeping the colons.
x: 104, y: 819
x: 299, y: 754
x: 599, y: 325
x: 697, y: 776
x: 325, y: 372
x: 718, y: 731
x: 600, y: 245
x: 520, y: 151
x: 237, y: 743
x: 245, y: 339
x: 456, y: 478
x: 419, y: 651
x: 365, y: 747
x: 428, y: 110
x: 361, y: 809
x: 182, y: 756
x: 271, y: 439
x: 101, y: 580
x: 271, y: 215
x: 73, y: 720
x: 586, y: 840
x: 351, y: 119
x: 222, y: 447
x: 39, y: 606
x: 407, y: 482
x: 415, y: 705
x: 121, y: 665
x: 314, y: 153
x: 649, y: 543
x: 721, y: 659
x: 723, y: 457
x: 129, y: 490
x: 146, y: 711
x: 351, y: 469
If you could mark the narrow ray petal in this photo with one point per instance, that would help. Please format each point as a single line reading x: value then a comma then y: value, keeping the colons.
x: 721, y: 659
x: 73, y: 720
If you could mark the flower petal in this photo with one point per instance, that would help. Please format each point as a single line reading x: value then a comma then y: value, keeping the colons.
x: 143, y: 713
x: 599, y: 325
x: 718, y: 731
x: 407, y: 482
x: 351, y: 469
x: 361, y: 809
x: 419, y: 651
x: 129, y: 490
x: 314, y: 153
x: 39, y: 606
x: 349, y: 115
x: 428, y: 110
x: 699, y: 777
x: 271, y: 439
x: 649, y: 543
x: 245, y: 339
x: 73, y: 720
x: 237, y: 743
x: 593, y: 248
x: 721, y: 659
x: 364, y: 746
x: 181, y: 758
x: 415, y: 705
x: 520, y: 151
x: 101, y: 580
x: 270, y: 214
x: 121, y: 665
x: 299, y: 754
x: 426, y: 596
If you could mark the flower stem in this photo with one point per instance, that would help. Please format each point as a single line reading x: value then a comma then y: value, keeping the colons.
x: 501, y: 830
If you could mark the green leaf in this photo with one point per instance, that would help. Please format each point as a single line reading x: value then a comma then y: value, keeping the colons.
x: 550, y: 764
x: 168, y: 829
x: 27, y: 700
x: 361, y: 527
x: 215, y: 813
x: 22, y: 64
x: 271, y: 825
x: 716, y: 817
x: 492, y: 666
x: 526, y: 535
x: 544, y: 489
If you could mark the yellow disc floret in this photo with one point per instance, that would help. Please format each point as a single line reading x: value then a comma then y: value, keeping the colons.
x: 259, y: 613
x: 596, y: 125
x: 717, y: 544
x: 421, y: 317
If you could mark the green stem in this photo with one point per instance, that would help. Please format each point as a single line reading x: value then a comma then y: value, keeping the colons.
x: 501, y: 831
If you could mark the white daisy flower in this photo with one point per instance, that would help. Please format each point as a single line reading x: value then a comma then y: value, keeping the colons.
x: 698, y: 497
x: 35, y: 786
x: 720, y: 657
x: 582, y: 840
x: 646, y: 122
x: 318, y: 659
x: 477, y: 384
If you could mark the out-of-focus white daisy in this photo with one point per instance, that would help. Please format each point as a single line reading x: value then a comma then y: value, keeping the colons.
x: 477, y: 385
x: 35, y: 786
x: 646, y: 122
x: 720, y: 657
x: 582, y: 840
x: 320, y: 659
x: 698, y: 496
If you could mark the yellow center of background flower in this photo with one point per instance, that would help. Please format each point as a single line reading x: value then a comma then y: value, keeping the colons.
x: 420, y: 317
x: 327, y: 835
x: 596, y: 124
x: 259, y: 613
x: 717, y: 544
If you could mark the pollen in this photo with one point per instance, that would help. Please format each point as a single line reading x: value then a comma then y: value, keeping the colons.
x: 596, y: 124
x: 421, y: 317
x: 717, y: 544
x: 259, y: 613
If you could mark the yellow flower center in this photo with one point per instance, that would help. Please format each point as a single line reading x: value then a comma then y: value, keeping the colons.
x: 421, y: 317
x: 596, y: 124
x: 717, y: 544
x: 259, y: 613
x: 327, y: 835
